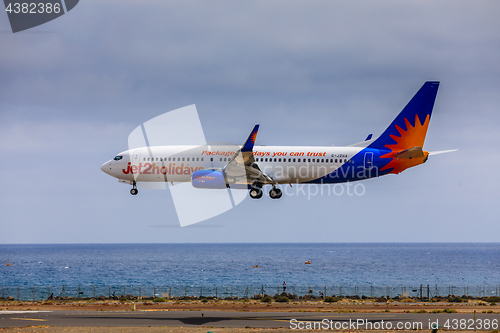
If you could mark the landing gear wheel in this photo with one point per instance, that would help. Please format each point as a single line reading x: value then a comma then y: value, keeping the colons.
x: 134, y: 190
x: 255, y: 193
x: 275, y: 193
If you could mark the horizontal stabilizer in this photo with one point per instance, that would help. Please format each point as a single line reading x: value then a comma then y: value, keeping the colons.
x: 410, y: 153
x: 442, y: 151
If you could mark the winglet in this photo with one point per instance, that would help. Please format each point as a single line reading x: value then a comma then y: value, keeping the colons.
x: 248, y: 145
x: 369, y: 137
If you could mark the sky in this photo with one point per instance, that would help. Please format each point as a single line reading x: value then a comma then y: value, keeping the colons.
x: 315, y: 73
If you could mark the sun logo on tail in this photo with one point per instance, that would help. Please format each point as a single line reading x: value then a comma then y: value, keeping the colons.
x: 413, y: 136
x: 253, y: 137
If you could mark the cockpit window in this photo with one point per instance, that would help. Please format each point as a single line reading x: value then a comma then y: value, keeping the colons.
x: 117, y: 158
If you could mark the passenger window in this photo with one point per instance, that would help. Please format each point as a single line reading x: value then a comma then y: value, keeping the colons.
x: 142, y: 159
x: 211, y: 159
x: 221, y: 159
x: 266, y: 159
x: 294, y: 159
x: 335, y: 160
x: 279, y: 159
x: 197, y: 159
x: 187, y: 159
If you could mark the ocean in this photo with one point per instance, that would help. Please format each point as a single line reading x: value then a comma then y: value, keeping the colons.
x: 341, y: 267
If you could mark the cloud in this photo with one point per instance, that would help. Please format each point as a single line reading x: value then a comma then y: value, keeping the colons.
x: 311, y: 73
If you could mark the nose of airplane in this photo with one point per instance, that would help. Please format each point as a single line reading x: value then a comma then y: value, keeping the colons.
x: 106, y: 167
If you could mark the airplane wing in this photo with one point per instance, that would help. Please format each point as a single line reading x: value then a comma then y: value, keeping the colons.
x: 242, y: 168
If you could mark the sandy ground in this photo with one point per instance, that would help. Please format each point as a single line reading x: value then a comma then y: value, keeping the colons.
x: 251, y: 306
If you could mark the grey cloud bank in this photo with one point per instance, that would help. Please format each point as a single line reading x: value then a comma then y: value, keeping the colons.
x: 311, y: 73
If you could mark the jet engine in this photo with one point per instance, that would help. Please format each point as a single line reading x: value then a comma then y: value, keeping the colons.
x: 211, y: 179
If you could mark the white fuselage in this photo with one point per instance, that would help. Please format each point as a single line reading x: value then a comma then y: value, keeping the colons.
x: 285, y: 164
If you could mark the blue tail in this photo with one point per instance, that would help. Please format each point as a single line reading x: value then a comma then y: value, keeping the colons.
x: 405, y: 132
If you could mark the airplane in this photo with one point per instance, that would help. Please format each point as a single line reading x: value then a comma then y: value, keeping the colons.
x: 251, y: 167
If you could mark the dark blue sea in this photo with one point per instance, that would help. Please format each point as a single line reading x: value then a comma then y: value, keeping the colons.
x: 382, y: 266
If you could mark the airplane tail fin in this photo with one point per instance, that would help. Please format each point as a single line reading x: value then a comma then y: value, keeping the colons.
x: 409, y: 128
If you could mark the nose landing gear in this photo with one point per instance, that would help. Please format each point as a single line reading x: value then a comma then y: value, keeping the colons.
x: 134, y: 189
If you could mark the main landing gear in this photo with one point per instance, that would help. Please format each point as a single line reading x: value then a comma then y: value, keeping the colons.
x: 256, y: 193
x: 134, y: 189
x: 275, y: 193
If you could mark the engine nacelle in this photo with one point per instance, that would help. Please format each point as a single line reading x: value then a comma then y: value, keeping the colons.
x: 208, y: 179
